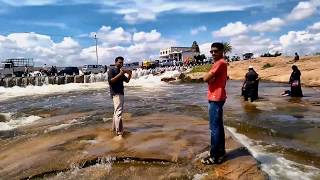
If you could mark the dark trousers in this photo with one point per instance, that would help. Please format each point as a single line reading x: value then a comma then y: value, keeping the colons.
x: 216, y: 128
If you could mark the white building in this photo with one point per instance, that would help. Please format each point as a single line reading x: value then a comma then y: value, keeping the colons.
x: 174, y: 53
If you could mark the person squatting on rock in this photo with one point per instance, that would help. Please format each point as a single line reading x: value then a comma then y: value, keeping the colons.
x: 116, y: 76
x: 295, y: 82
x: 216, y: 79
x: 250, y: 85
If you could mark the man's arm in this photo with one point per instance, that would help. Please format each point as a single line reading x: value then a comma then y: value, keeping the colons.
x: 212, y: 73
x: 129, y: 72
x: 208, y: 76
x: 116, y: 78
x: 245, y: 80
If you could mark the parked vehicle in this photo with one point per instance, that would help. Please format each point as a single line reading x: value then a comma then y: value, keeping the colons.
x: 149, y: 64
x: 16, y: 66
x: 132, y: 66
x: 88, y: 69
x: 69, y: 71
x: 166, y: 62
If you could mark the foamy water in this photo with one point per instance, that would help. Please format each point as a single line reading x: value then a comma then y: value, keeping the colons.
x: 13, y: 123
x: 150, y: 81
x: 14, y: 92
x: 143, y: 79
x: 276, y: 166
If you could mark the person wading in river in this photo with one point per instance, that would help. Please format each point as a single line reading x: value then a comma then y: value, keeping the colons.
x: 216, y: 79
x: 116, y: 76
x: 250, y: 85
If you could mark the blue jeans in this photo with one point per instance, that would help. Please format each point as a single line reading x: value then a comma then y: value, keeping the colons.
x: 216, y: 127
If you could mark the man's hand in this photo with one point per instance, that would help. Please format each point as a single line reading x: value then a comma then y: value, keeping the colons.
x: 122, y: 71
x: 128, y: 71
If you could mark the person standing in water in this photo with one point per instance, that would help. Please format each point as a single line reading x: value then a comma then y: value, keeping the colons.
x: 296, y: 57
x: 116, y: 76
x: 216, y: 79
x: 295, y: 82
x: 250, y: 85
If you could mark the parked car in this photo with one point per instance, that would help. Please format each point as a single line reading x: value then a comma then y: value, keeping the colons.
x: 69, y: 71
x: 166, y: 62
x: 88, y: 69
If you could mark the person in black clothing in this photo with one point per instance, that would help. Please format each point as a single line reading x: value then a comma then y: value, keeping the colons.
x: 26, y: 71
x: 105, y: 69
x: 295, y: 82
x: 116, y: 76
x: 250, y: 85
x: 296, y: 57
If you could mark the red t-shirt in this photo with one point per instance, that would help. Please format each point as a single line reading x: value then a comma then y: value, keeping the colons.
x: 217, y: 85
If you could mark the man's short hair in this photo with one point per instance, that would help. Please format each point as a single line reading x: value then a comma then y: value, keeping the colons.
x: 218, y: 45
x: 118, y: 58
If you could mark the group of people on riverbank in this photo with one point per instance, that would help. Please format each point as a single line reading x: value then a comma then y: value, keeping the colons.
x: 250, y: 84
x: 216, y: 95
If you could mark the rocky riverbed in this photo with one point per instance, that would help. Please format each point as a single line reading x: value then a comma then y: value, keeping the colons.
x: 155, y: 146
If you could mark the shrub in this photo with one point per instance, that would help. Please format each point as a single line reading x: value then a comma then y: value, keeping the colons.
x: 201, y: 68
x: 268, y: 65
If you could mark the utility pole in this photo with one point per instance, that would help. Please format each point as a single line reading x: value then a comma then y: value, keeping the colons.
x: 95, y: 37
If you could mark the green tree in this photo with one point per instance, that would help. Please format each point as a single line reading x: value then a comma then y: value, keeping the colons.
x: 227, y: 48
x: 195, y: 47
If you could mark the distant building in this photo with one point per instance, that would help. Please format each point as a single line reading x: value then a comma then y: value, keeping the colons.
x: 173, y: 53
x: 176, y: 54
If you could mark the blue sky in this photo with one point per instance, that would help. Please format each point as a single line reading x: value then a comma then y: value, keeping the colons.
x: 61, y: 32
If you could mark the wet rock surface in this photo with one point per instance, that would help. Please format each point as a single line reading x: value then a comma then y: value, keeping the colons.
x: 192, y: 77
x: 157, y: 146
x: 168, y: 79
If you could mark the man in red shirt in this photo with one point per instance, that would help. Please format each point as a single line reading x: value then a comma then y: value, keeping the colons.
x: 216, y: 79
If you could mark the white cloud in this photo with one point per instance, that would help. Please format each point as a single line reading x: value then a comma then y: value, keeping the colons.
x: 197, y: 30
x: 148, y: 37
x: 256, y: 44
x: 134, y: 17
x: 273, y: 24
x: 50, y: 24
x: 29, y: 2
x: 113, y: 37
x: 303, y: 42
x: 69, y: 52
x: 303, y: 10
x: 135, y: 11
x: 30, y: 40
x: 315, y: 26
x: 231, y: 29
x: 43, y: 23
x: 205, y: 48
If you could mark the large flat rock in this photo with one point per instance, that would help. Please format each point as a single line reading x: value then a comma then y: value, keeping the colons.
x: 158, y: 146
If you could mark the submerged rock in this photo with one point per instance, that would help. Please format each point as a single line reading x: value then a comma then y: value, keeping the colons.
x: 3, y: 118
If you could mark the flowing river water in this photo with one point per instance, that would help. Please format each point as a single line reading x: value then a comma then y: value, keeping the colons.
x: 281, y: 132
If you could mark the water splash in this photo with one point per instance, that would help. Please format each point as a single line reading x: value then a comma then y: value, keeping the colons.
x: 13, y: 123
x: 276, y: 166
